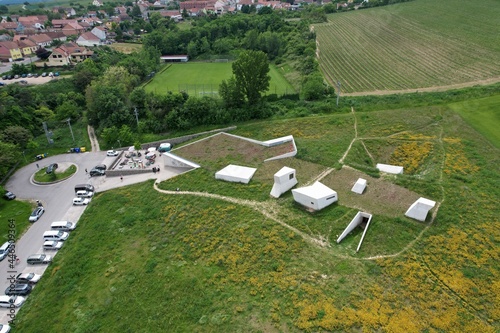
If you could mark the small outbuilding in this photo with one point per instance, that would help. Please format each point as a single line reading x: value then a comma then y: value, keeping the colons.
x: 419, y: 209
x: 387, y: 168
x: 316, y: 196
x: 359, y: 186
x: 236, y: 174
x: 284, y: 180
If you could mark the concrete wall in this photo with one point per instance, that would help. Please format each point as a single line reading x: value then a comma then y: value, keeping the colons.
x: 180, y: 139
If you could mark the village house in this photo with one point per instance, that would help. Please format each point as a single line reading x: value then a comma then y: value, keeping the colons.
x: 41, y: 40
x: 10, y: 51
x: 26, y: 45
x: 68, y: 54
x: 9, y: 26
x: 88, y: 39
x: 99, y: 32
x: 97, y: 3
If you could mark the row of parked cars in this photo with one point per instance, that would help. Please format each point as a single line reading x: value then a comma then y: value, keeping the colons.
x: 29, y: 75
x: 23, y: 283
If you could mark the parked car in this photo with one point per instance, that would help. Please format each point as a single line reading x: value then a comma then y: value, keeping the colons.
x: 36, y: 75
x: 97, y: 172
x: 52, y: 245
x: 37, y: 213
x: 84, y: 194
x: 2, y: 84
x: 164, y: 147
x: 4, y: 77
x: 8, y: 301
x: 56, y: 74
x: 81, y: 201
x: 29, y: 278
x: 24, y: 75
x: 102, y: 167
x: 51, y: 168
x: 23, y: 82
x: 9, y: 195
x: 4, y: 250
x: 4, y: 328
x: 112, y: 153
x: 84, y: 187
x: 39, y: 259
x: 16, y: 76
x: 30, y: 75
x: 21, y: 289
x: 44, y: 74
x: 63, y: 225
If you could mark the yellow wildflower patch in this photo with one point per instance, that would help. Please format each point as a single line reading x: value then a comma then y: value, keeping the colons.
x: 411, y: 155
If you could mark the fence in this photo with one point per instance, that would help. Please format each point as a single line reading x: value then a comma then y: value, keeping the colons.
x: 213, y: 90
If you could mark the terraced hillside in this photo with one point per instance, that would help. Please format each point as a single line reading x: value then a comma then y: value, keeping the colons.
x: 411, y: 45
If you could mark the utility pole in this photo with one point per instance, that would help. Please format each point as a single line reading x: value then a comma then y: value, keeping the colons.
x: 70, y: 129
x: 338, y: 92
x: 48, y: 134
x: 136, y: 116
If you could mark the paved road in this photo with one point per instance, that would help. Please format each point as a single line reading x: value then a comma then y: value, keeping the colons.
x: 7, y: 66
x: 57, y: 200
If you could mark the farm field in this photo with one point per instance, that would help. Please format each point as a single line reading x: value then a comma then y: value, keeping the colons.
x: 412, y: 45
x: 204, y: 79
x: 221, y: 257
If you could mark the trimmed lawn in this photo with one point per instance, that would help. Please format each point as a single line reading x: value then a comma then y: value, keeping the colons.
x: 482, y: 114
x: 204, y: 78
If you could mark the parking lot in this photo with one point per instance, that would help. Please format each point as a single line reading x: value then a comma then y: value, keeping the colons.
x: 57, y: 201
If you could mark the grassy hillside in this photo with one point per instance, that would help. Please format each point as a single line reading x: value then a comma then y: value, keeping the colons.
x: 220, y: 257
x: 200, y: 78
x: 422, y: 43
x: 483, y: 115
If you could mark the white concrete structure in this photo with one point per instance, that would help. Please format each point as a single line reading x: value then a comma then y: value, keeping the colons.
x: 316, y: 196
x: 271, y: 143
x: 359, y: 186
x: 174, y: 161
x: 236, y: 174
x: 284, y: 180
x: 362, y: 220
x: 419, y: 209
x: 387, y: 168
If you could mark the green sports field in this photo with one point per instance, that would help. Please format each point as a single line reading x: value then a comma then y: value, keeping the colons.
x: 205, y: 78
x: 483, y: 115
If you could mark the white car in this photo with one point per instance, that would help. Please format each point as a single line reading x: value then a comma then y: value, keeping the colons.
x: 84, y: 194
x: 52, y: 245
x: 28, y: 278
x: 112, y: 153
x: 81, y: 201
x: 4, y: 328
x: 7, y: 301
x: 36, y: 214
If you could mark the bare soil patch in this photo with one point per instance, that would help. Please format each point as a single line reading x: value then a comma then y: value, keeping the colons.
x: 380, y: 197
x: 31, y: 80
x: 224, y: 149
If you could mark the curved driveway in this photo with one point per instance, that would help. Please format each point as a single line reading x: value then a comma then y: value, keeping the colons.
x: 57, y: 200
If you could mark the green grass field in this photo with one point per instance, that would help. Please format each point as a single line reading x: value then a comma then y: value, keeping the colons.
x: 17, y: 210
x: 483, y: 115
x: 204, y: 79
x: 410, y: 45
x: 145, y: 261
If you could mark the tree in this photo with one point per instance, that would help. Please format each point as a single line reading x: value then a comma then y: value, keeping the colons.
x: 16, y: 135
x: 230, y: 93
x: 251, y: 74
x: 4, y: 9
x: 9, y: 156
x: 42, y: 53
